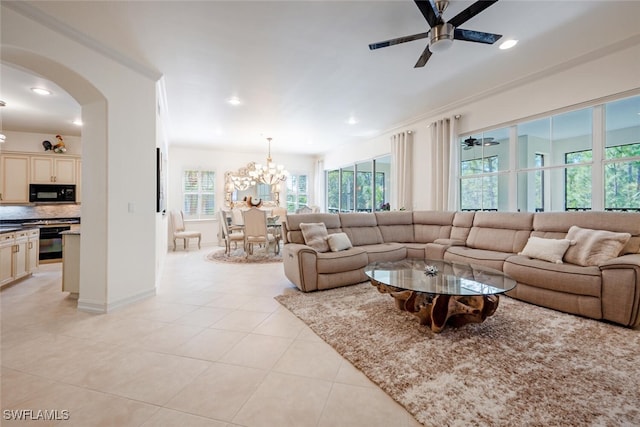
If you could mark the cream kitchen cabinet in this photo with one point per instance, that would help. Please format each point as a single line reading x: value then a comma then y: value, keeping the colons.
x: 47, y: 170
x: 18, y: 254
x: 14, y: 178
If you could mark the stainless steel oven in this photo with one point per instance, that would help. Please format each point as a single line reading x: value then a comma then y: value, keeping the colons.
x: 50, y: 238
x: 51, y: 242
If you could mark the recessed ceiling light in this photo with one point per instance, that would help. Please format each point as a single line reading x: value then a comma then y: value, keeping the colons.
x: 508, y: 44
x: 234, y: 100
x: 41, y: 91
x: 352, y: 120
x: 77, y: 122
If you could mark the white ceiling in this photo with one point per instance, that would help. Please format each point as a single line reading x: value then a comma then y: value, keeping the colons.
x: 302, y: 68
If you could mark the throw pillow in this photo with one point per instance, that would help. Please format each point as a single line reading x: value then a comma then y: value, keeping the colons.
x: 551, y: 250
x: 339, y: 242
x: 593, y: 247
x: 315, y: 235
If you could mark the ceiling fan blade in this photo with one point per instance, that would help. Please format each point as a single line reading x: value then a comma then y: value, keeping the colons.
x: 470, y: 12
x: 475, y: 36
x: 430, y: 12
x: 426, y: 54
x: 399, y: 40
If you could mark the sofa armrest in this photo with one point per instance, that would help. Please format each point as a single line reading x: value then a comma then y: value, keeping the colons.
x: 300, y: 266
x: 621, y: 290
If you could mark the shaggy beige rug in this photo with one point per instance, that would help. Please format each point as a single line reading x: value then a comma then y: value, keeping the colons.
x: 524, y: 366
x: 239, y: 256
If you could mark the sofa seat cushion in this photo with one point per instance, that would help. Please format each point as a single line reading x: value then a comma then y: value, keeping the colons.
x: 416, y: 250
x: 385, y: 252
x: 339, y: 262
x: 567, y: 278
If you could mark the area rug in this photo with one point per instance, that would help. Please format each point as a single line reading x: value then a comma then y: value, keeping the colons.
x: 239, y: 256
x: 525, y: 365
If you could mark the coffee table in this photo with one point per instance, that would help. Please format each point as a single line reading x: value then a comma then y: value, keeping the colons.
x: 455, y: 293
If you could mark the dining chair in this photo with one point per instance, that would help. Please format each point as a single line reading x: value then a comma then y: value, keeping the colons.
x: 255, y: 230
x: 179, y: 232
x: 230, y: 236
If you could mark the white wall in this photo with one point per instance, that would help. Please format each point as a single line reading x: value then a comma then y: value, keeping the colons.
x: 607, y: 75
x: 30, y: 142
x: 119, y: 139
x: 184, y: 158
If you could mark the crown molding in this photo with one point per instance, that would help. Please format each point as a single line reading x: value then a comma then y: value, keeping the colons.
x: 35, y: 14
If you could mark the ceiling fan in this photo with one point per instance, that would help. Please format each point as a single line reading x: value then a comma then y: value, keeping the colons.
x: 443, y: 33
x: 471, y: 142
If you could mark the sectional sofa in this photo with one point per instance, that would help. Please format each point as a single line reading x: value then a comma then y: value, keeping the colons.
x: 579, y: 282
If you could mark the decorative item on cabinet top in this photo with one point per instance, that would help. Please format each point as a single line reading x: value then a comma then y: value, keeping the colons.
x: 59, y: 146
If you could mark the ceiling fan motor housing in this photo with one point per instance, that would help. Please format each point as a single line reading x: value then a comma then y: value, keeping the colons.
x: 441, y: 37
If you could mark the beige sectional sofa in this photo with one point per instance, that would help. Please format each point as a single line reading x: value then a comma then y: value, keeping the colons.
x: 608, y: 291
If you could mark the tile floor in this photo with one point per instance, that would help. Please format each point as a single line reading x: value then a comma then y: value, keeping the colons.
x: 213, y: 348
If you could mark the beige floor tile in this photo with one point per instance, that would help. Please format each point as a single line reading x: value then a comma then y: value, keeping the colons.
x: 203, y: 316
x: 350, y: 405
x: 213, y: 347
x: 158, y: 377
x: 241, y: 320
x: 310, y: 359
x: 170, y: 418
x: 167, y: 338
x: 285, y: 400
x: 280, y: 323
x: 257, y: 351
x: 348, y: 374
x: 219, y: 392
x: 210, y: 344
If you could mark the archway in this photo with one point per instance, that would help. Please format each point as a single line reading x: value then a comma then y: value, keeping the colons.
x: 93, y: 263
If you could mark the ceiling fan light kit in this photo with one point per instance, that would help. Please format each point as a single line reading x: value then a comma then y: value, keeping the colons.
x: 442, y: 34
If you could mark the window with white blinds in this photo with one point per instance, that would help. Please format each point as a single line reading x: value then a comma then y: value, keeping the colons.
x: 198, y: 193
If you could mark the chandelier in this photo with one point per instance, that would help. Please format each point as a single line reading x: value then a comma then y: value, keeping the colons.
x: 242, y: 182
x: 270, y: 173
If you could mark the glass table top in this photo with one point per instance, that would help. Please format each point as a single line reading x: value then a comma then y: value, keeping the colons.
x: 452, y: 278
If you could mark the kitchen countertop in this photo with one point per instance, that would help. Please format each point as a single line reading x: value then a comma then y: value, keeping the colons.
x: 10, y: 229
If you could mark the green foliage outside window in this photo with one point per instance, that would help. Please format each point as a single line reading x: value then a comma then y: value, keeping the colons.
x: 622, y: 179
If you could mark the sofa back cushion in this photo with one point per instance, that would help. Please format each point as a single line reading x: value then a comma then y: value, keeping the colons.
x: 500, y: 231
x: 462, y: 223
x: 431, y: 225
x: 294, y: 233
x: 556, y: 225
x: 362, y: 228
x: 396, y: 226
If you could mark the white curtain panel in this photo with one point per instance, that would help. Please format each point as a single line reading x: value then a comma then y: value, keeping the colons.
x: 444, y: 165
x: 319, y: 188
x: 401, y: 167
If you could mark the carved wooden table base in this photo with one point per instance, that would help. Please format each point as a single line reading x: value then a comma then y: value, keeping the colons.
x: 438, y: 310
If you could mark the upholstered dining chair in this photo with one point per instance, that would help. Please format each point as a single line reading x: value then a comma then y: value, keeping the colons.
x: 179, y: 232
x: 229, y: 236
x: 255, y: 230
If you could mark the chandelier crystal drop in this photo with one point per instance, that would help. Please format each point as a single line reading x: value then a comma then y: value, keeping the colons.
x: 270, y: 173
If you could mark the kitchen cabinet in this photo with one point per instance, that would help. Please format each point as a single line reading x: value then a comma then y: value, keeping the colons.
x: 47, y: 170
x: 18, y: 254
x: 6, y: 258
x: 78, y: 181
x: 14, y: 178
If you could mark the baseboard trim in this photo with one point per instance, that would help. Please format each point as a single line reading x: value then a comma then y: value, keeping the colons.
x: 103, y: 308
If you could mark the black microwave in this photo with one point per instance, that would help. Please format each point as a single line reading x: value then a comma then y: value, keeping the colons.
x: 52, y: 193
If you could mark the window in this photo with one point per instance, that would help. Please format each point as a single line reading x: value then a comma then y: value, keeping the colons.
x: 479, y: 191
x: 362, y: 187
x: 622, y: 155
x: 555, y: 156
x: 333, y: 191
x: 198, y: 188
x: 484, y: 164
x: 297, y: 192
